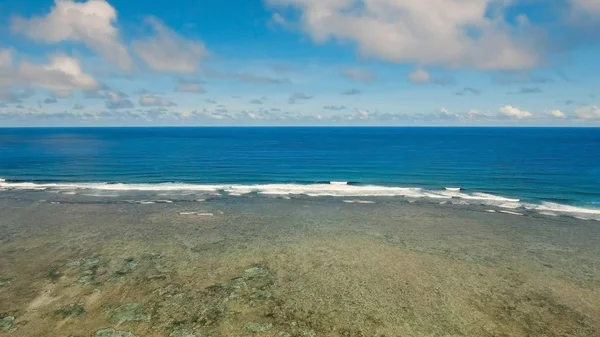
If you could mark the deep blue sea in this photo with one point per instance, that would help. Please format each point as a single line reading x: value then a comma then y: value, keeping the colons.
x: 551, y: 170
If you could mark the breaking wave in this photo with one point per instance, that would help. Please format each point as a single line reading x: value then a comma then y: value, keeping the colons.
x: 324, y: 189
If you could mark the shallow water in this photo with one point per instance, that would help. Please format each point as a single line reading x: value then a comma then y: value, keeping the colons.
x: 303, y: 267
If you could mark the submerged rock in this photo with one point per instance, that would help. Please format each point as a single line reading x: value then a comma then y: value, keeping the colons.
x: 71, y: 310
x: 257, y: 270
x: 6, y: 322
x: 89, y: 272
x: 5, y: 281
x: 183, y: 333
x: 128, y: 267
x: 73, y: 264
x: 257, y: 327
x: 129, y: 312
x: 112, y: 333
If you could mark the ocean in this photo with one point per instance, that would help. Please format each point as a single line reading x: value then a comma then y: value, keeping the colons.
x: 549, y: 171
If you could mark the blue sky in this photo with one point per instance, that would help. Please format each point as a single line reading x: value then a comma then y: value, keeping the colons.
x: 300, y: 62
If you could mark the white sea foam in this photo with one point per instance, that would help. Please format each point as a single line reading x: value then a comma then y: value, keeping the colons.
x: 359, y: 201
x: 341, y: 189
x: 453, y: 189
x: 511, y: 213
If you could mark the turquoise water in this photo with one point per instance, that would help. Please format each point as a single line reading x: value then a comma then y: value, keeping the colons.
x: 558, y: 168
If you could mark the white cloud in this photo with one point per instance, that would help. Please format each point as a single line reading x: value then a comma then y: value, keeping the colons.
x: 586, y: 6
x: 457, y: 33
x: 167, y: 51
x: 6, y: 56
x: 558, y: 114
x: 116, y: 100
x: 91, y: 22
x: 516, y: 113
x: 151, y: 100
x: 189, y: 86
x: 298, y: 96
x: 61, y: 76
x: 358, y: 74
x: 419, y: 76
x: 590, y: 112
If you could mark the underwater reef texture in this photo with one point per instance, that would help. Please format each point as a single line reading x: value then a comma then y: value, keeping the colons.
x: 294, y: 268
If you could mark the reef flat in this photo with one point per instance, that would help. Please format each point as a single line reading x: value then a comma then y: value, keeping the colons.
x: 290, y: 268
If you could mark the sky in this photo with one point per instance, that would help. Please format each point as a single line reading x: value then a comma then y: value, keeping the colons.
x: 300, y: 62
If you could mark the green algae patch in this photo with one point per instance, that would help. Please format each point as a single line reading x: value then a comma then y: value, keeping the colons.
x: 183, y: 333
x: 112, y: 333
x: 129, y: 312
x: 129, y: 265
x: 71, y: 310
x: 5, y: 281
x: 6, y: 322
x: 257, y: 270
x: 257, y: 327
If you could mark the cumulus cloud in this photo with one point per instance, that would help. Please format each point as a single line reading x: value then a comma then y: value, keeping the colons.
x: 351, y: 92
x: 357, y: 74
x: 78, y: 107
x: 90, y: 22
x: 590, y: 112
x: 256, y: 101
x: 167, y: 51
x: 439, y: 32
x: 152, y: 100
x: 61, y: 76
x: 558, y: 114
x: 515, y: 113
x: 50, y: 100
x: 189, y: 86
x: 419, y: 76
x: 116, y: 100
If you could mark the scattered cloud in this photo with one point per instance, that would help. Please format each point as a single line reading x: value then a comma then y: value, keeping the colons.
x: 50, y: 100
x: 514, y: 113
x: 334, y: 107
x: 78, y: 107
x: 531, y: 90
x: 167, y: 51
x: 256, y: 101
x: 424, y: 33
x: 116, y: 100
x: 419, y: 76
x: 298, y: 96
x: 589, y: 112
x: 519, y: 77
x: 189, y: 86
x: 558, y: 114
x: 359, y: 75
x: 12, y: 96
x: 61, y: 76
x: 210, y: 101
x: 152, y: 100
x: 351, y: 92
x: 468, y: 90
x: 246, y: 77
x: 91, y: 22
